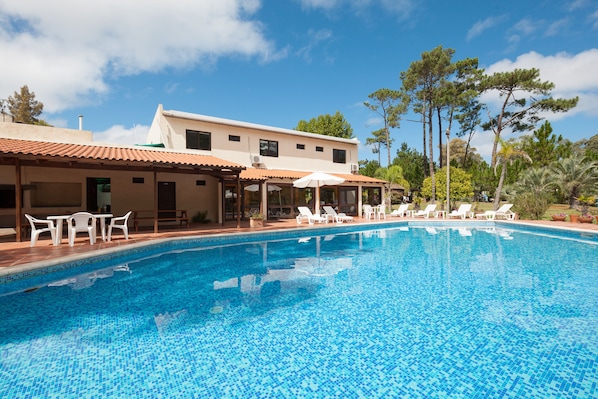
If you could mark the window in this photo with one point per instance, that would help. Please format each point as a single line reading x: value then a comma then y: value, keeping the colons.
x: 199, y: 140
x: 301, y: 146
x: 339, y: 156
x: 232, y: 137
x: 7, y: 196
x: 319, y: 149
x: 138, y: 180
x: 268, y: 148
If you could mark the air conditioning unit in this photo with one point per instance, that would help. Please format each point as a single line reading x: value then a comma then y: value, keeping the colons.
x: 256, y: 159
x: 354, y: 168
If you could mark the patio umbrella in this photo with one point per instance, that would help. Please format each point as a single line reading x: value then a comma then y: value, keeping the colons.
x: 317, y: 180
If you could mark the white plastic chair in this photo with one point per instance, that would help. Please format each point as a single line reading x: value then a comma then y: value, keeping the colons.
x: 35, y: 231
x: 81, y: 222
x: 401, y: 211
x: 504, y: 212
x: 368, y: 211
x: 305, y: 213
x: 488, y: 215
x: 461, y: 212
x: 119, y: 223
x: 426, y: 212
x: 338, y: 217
x: 381, y: 212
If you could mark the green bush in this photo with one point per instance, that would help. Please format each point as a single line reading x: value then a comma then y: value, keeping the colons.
x: 531, y: 205
x: 200, y: 217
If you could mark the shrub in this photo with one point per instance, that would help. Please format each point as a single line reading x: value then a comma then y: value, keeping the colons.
x: 531, y: 205
x: 200, y: 217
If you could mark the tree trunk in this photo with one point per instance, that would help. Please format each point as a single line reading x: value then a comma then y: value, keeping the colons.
x: 425, y: 158
x: 388, y: 145
x: 431, y: 159
x: 501, y: 181
x: 440, y: 152
x: 494, y: 150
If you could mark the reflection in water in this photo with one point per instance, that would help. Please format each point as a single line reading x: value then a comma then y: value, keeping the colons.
x: 287, y: 279
x: 88, y: 279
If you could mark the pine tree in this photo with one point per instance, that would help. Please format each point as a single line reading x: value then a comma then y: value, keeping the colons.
x: 24, y: 108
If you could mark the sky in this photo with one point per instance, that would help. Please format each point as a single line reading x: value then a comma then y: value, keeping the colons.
x: 276, y: 62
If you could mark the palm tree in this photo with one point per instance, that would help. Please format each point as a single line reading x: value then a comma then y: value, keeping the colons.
x: 508, y: 153
x: 575, y: 175
x: 537, y: 180
x: 393, y: 175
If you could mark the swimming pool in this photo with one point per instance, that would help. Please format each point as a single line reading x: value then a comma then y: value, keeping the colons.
x: 428, y: 310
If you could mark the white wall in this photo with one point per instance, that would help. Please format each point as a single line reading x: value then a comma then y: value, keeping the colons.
x: 170, y: 129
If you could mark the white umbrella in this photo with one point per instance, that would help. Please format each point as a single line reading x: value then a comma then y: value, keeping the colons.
x: 317, y: 180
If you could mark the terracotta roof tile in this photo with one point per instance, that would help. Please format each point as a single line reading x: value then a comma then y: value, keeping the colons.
x: 12, y: 147
x: 265, y: 174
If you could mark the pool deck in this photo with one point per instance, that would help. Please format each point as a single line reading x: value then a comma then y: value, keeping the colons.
x: 14, y: 255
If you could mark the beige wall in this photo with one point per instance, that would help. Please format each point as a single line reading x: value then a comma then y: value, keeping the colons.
x: 171, y: 131
x: 44, y: 133
x: 125, y: 195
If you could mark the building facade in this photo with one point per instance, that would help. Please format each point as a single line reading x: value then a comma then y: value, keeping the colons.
x: 221, y: 169
x: 274, y: 158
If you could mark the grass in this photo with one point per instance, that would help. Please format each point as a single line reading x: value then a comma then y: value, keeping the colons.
x: 481, y: 207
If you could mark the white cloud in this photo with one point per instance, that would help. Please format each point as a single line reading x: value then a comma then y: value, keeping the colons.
x: 315, y: 38
x: 525, y: 27
x: 479, y: 27
x: 572, y: 74
x: 402, y: 8
x: 483, y: 141
x: 555, y: 28
x: 577, y: 4
x: 67, y: 52
x: 323, y: 4
x: 121, y: 135
x: 374, y: 122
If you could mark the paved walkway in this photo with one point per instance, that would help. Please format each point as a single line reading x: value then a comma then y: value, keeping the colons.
x: 15, y: 255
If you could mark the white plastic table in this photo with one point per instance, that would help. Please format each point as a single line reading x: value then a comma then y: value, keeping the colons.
x: 61, y: 218
x: 103, y: 217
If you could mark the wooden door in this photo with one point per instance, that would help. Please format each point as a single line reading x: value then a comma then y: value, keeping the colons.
x: 166, y: 199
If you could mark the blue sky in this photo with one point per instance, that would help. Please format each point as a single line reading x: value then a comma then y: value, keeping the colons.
x: 275, y: 62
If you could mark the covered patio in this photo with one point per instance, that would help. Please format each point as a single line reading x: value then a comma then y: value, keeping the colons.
x: 56, y: 161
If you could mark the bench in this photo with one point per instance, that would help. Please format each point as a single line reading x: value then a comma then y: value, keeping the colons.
x: 179, y: 215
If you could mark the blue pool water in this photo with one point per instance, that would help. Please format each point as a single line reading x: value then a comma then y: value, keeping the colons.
x: 410, y: 312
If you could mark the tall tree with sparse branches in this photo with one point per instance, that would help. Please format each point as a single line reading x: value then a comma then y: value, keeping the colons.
x: 377, y: 141
x: 525, y: 98
x: 390, y: 105
x: 421, y: 81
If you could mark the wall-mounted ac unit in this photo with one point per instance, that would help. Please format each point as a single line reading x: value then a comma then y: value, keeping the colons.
x: 256, y: 159
x: 354, y: 168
